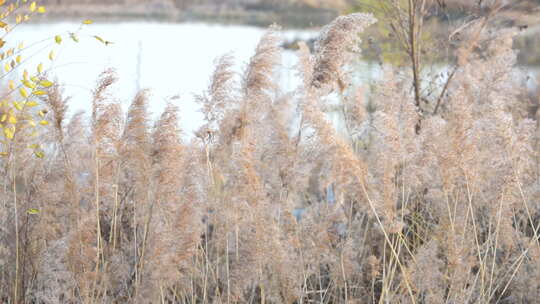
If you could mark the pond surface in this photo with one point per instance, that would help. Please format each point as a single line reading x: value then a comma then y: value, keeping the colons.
x: 169, y: 59
x: 174, y: 59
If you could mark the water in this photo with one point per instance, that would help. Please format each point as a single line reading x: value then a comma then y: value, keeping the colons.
x: 169, y: 59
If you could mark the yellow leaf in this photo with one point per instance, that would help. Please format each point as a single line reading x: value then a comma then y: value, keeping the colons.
x: 28, y: 84
x: 25, y: 75
x: 10, y: 52
x: 3, y: 118
x: 2, y: 2
x: 12, y: 120
x: 41, y: 10
x: 45, y: 83
x: 8, y: 133
x: 40, y: 68
x: 51, y: 56
x: 7, y: 67
x: 11, y: 84
x: 42, y: 113
x: 21, y: 46
x: 100, y: 39
x: 39, y: 154
x: 23, y: 92
x: 31, y: 123
x: 39, y: 93
x: 18, y: 19
x: 17, y: 106
x: 88, y: 21
x: 3, y: 24
x: 31, y: 104
x: 18, y: 59
x: 58, y: 39
x: 43, y: 122
x: 2, y: 43
x: 32, y: 210
x: 32, y: 7
x: 3, y: 154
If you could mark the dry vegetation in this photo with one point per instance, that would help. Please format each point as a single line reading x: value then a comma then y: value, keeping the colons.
x: 269, y: 203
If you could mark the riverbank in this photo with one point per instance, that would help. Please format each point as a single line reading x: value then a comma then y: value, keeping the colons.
x: 296, y: 16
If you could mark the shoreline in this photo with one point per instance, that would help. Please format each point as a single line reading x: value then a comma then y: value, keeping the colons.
x: 294, y: 18
x: 291, y: 18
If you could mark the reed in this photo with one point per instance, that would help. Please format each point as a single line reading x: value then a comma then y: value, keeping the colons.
x: 270, y: 203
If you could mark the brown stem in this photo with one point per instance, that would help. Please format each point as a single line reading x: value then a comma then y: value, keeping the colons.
x: 413, y: 40
x: 445, y: 88
x: 17, y: 243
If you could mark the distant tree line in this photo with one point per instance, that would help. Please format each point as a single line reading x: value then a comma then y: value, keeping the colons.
x: 187, y: 3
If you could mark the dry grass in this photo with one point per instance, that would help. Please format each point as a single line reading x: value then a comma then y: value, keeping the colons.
x: 269, y: 203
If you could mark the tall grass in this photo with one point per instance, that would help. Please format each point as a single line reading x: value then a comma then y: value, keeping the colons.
x: 269, y: 203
